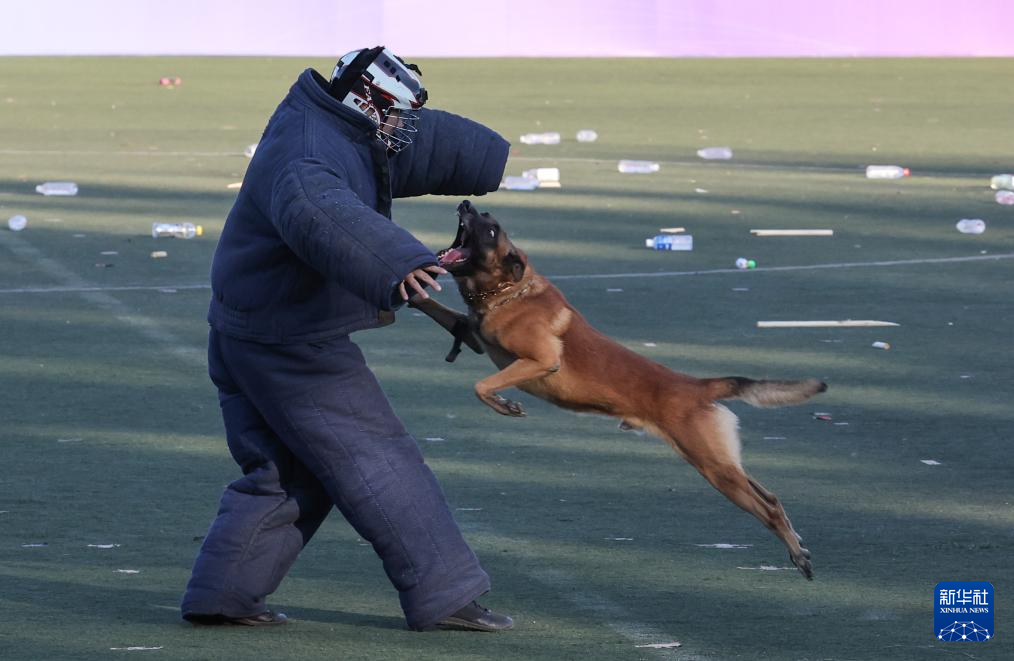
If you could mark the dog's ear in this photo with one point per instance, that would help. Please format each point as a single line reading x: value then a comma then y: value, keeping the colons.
x: 514, y: 265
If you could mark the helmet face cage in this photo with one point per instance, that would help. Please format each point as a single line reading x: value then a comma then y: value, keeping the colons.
x: 386, y: 91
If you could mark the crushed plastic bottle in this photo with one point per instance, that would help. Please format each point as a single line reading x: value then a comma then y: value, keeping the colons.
x: 715, y: 153
x: 1002, y: 181
x: 670, y: 242
x: 886, y: 172
x: 17, y: 223
x: 638, y: 167
x: 57, y: 188
x: 1004, y: 197
x: 541, y: 138
x: 971, y: 226
x: 587, y: 135
x: 176, y: 230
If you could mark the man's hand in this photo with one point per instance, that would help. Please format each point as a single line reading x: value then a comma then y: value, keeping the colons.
x: 413, y: 278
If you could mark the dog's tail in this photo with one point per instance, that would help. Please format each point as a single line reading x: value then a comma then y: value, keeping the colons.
x: 764, y: 393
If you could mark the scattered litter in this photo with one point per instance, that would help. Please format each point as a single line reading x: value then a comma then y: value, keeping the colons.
x: 541, y: 138
x: 103, y: 546
x: 17, y: 223
x: 735, y: 212
x: 819, y: 415
x: 930, y: 462
x: 57, y: 188
x: 886, y: 172
x: 715, y: 153
x: 109, y: 252
x: 620, y: 539
x: 434, y: 439
x: 587, y: 135
x: 1005, y: 197
x: 69, y: 440
x: 547, y: 177
x: 638, y: 167
x: 1000, y: 181
x: 724, y: 546
x: 37, y: 545
x: 650, y: 344
x: 250, y: 150
x: 79, y: 236
x: 166, y: 290
x: 742, y: 263
x: 135, y: 649
x: 740, y: 289
x: 881, y: 345
x: 774, y: 438
x: 170, y: 81
x: 614, y: 289
x: 234, y: 185
x: 840, y: 424
x: 672, y: 230
x: 792, y: 232
x: 971, y: 226
x: 670, y: 242
x: 159, y: 254
x: 127, y: 571
x: 519, y: 183
x: 845, y: 323
x: 702, y: 191
x: 176, y: 230
x: 662, y: 646
x: 768, y: 568
x: 965, y: 376
x: 104, y: 265
x: 468, y: 509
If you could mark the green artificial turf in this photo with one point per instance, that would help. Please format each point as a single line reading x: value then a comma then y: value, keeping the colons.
x: 111, y: 433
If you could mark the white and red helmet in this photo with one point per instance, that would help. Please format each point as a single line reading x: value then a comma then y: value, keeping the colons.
x: 381, y: 86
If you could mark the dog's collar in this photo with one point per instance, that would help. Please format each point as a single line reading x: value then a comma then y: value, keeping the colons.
x: 504, y: 286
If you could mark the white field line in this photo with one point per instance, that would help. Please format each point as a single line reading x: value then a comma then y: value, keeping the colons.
x: 84, y: 288
x: 96, y: 295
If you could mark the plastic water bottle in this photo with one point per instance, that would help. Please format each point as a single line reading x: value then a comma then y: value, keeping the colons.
x: 587, y: 135
x: 715, y: 153
x: 176, y: 230
x: 1002, y: 181
x: 57, y: 188
x: 17, y: 223
x: 886, y: 172
x: 971, y: 226
x: 638, y: 167
x: 542, y: 174
x: 1004, y: 197
x: 541, y: 138
x: 670, y: 242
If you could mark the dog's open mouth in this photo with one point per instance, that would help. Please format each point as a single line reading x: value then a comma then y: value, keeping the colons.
x: 457, y: 253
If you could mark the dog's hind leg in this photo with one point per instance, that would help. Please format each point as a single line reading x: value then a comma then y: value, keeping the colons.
x: 709, y: 440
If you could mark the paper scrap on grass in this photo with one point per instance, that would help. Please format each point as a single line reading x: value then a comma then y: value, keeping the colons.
x: 434, y: 439
x: 127, y: 571
x: 468, y: 509
x: 774, y: 438
x: 135, y: 649
x: 662, y: 646
x: 34, y: 546
x: 672, y: 230
x: 792, y: 232
x: 843, y: 323
x: 614, y: 289
x: 103, y: 546
x: 725, y: 546
x: 620, y: 539
x: 69, y: 440
x: 930, y: 462
x: 235, y: 184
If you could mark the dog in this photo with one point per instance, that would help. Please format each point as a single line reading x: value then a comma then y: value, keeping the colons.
x: 543, y: 346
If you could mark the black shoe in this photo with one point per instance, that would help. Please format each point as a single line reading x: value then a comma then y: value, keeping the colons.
x: 474, y: 617
x: 267, y: 618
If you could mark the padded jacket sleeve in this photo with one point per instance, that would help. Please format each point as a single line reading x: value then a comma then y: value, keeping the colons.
x: 449, y: 155
x: 322, y: 220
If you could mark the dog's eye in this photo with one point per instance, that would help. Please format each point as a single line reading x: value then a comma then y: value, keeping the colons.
x: 492, y: 233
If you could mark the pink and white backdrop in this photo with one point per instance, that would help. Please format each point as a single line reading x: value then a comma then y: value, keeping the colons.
x: 520, y: 28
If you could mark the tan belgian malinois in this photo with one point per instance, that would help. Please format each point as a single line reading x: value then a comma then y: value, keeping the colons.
x: 543, y: 346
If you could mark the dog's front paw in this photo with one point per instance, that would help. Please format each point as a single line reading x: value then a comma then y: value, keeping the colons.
x: 503, y: 406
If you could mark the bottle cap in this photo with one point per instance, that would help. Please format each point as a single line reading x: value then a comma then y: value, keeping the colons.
x: 200, y: 230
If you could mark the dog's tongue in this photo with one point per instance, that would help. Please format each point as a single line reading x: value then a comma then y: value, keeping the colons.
x: 451, y: 256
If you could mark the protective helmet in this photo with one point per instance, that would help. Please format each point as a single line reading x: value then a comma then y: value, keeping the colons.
x: 381, y: 86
